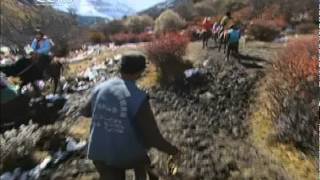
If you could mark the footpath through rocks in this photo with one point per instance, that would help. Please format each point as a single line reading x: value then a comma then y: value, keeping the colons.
x: 208, y: 122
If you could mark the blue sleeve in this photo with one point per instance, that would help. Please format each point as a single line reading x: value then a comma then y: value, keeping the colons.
x: 45, y: 49
x: 34, y: 44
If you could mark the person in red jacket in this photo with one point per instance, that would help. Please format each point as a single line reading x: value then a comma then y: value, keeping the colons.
x: 206, y: 31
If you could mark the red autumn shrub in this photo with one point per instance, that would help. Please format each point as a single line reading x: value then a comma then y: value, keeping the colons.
x: 166, y: 53
x: 293, y: 92
x: 298, y: 60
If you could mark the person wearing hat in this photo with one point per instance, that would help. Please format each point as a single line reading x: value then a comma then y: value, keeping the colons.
x: 41, y: 47
x: 41, y: 43
x: 225, y: 19
x: 123, y: 125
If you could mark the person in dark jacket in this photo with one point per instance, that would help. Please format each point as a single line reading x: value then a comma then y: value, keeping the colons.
x: 123, y: 125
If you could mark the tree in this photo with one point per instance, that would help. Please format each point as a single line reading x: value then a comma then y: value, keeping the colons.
x: 137, y: 24
x: 169, y: 21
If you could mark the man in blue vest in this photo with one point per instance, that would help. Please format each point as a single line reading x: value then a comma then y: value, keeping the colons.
x: 123, y: 125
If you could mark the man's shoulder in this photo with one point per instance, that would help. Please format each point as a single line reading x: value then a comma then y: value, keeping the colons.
x: 108, y: 83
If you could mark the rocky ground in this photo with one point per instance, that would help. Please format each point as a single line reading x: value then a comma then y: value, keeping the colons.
x: 208, y: 122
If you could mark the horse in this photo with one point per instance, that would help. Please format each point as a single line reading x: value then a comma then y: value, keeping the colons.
x: 29, y: 72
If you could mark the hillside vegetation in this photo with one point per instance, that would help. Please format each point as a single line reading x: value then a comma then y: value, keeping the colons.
x: 20, y: 18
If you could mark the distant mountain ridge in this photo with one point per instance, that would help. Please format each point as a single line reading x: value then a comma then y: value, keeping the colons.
x: 109, y: 9
x: 157, y: 9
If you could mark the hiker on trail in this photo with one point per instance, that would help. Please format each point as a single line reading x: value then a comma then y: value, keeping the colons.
x: 234, y: 35
x: 123, y: 125
x: 207, y: 33
x: 225, y: 19
x: 41, y: 54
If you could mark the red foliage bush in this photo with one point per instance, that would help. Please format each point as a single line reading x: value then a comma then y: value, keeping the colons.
x: 166, y: 53
x: 293, y: 92
x: 299, y: 60
x: 166, y: 47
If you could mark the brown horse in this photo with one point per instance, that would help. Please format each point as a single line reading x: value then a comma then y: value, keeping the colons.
x: 28, y: 72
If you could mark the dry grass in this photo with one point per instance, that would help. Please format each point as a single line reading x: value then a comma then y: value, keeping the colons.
x: 195, y: 54
x: 298, y: 165
x: 150, y: 79
x: 80, y: 129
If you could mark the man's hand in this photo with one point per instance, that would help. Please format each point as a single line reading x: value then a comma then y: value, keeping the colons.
x: 173, y: 162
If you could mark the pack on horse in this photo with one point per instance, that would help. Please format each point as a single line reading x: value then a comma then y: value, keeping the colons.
x: 36, y: 67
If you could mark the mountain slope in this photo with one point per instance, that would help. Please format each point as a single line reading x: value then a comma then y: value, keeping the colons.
x: 114, y: 9
x: 168, y: 4
x: 19, y: 18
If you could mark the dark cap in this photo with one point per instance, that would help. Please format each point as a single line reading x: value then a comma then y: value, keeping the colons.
x: 132, y: 63
x: 38, y: 31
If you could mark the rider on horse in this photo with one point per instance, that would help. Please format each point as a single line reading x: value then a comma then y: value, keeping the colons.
x: 41, y: 55
x: 225, y: 19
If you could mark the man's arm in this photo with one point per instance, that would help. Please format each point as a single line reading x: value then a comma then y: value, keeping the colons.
x: 150, y: 131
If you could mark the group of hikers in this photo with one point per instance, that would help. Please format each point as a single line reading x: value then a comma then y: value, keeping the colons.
x: 223, y: 33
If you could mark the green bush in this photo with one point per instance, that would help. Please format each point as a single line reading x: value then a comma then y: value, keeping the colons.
x: 137, y: 24
x: 306, y: 28
x: 263, y: 31
x: 111, y: 28
x: 97, y: 37
x: 169, y: 21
